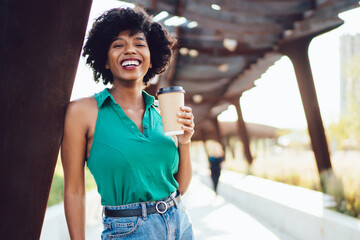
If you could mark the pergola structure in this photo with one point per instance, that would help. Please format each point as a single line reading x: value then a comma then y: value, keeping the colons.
x: 226, y: 45
x: 224, y: 49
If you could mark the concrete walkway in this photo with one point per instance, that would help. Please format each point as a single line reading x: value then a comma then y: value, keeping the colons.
x: 215, y: 218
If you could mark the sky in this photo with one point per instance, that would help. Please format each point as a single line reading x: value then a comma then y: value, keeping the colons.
x: 275, y: 100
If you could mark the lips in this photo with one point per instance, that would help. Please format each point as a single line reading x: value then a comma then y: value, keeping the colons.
x: 130, y: 63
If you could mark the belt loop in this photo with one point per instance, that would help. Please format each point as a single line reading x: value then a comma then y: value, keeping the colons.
x: 102, y: 213
x: 172, y: 196
x: 144, y: 210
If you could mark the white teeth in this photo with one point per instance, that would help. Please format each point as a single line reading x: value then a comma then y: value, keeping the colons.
x: 127, y: 63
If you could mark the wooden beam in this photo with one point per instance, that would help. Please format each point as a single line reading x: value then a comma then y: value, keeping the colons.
x: 245, y: 81
x: 242, y: 131
x: 198, y: 43
x: 218, y: 134
x: 194, y: 87
x: 223, y: 90
x: 297, y: 51
x: 269, y: 8
x: 217, y: 48
x: 211, y: 99
x: 332, y: 8
x: 313, y: 27
x: 194, y: 9
x: 220, y: 107
x: 232, y: 27
x: 251, y: 39
x: 324, y: 19
x: 205, y: 59
x: 40, y: 48
x: 200, y: 72
x: 159, y: 5
x: 213, y: 33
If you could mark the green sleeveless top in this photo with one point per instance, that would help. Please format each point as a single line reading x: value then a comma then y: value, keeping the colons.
x: 129, y: 166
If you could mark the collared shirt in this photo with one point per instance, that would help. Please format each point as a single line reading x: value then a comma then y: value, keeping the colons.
x: 129, y: 166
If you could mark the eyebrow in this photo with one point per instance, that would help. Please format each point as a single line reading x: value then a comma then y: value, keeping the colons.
x: 137, y: 38
x: 140, y: 38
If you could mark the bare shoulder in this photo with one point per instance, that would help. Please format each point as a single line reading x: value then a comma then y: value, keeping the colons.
x: 82, y: 109
x: 82, y: 105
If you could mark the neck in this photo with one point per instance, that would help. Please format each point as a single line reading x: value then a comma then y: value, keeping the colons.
x: 127, y: 96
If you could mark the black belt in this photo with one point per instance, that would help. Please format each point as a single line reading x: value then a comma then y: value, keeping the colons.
x: 160, y: 207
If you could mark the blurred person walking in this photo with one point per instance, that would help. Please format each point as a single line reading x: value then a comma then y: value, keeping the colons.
x: 216, y: 158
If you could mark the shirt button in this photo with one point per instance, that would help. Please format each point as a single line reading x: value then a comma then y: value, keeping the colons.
x: 146, y: 127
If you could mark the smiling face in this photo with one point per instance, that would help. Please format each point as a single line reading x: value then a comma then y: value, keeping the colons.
x: 128, y: 57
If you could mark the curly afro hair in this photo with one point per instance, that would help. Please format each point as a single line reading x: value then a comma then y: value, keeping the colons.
x: 110, y: 24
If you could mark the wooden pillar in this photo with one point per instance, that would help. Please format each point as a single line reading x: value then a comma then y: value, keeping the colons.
x: 297, y: 51
x: 242, y: 131
x: 40, y: 45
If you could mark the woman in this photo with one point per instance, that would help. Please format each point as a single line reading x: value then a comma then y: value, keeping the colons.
x: 140, y: 173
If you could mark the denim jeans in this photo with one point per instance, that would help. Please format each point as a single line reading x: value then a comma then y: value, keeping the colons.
x: 174, y: 224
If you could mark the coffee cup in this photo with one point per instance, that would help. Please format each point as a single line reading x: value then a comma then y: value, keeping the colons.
x: 170, y: 101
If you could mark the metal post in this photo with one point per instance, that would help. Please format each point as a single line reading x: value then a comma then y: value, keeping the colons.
x: 40, y: 45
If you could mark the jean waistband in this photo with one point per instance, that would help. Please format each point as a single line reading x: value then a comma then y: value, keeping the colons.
x: 139, y: 204
x: 143, y: 208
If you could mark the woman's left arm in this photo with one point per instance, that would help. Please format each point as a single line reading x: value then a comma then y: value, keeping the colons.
x: 184, y: 174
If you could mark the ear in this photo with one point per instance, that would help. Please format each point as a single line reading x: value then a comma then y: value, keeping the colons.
x: 150, y: 65
x: 107, y: 66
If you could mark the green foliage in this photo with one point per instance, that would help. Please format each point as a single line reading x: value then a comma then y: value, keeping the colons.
x: 347, y: 200
x: 56, y: 191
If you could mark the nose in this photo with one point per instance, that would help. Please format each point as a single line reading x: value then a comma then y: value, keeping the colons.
x: 130, y: 50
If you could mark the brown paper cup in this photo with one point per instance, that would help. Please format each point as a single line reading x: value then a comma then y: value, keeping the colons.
x: 170, y: 101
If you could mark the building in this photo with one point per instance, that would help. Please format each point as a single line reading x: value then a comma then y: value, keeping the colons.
x: 349, y: 83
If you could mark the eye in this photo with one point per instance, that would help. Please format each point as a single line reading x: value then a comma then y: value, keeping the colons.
x: 118, y: 45
x: 140, y: 45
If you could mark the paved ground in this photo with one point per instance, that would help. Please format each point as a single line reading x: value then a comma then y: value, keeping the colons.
x: 215, y: 218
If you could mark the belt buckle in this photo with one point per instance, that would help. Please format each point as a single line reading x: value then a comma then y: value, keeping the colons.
x: 157, y: 207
